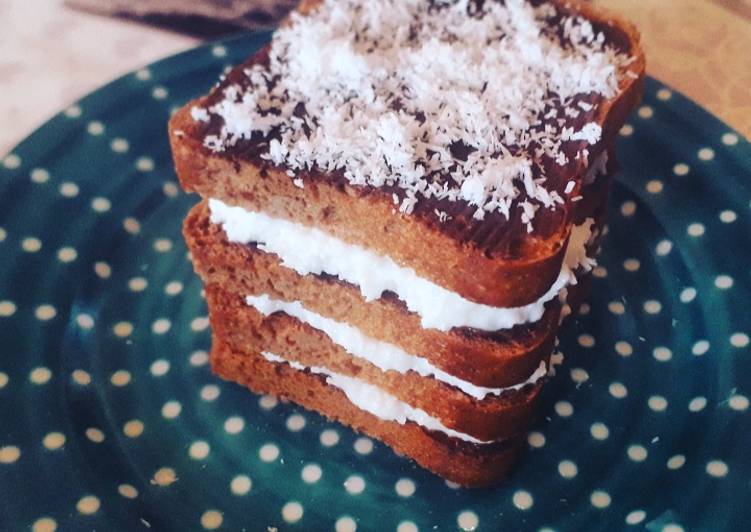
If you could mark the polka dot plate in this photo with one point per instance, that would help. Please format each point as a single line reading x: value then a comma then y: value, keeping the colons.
x: 111, y: 420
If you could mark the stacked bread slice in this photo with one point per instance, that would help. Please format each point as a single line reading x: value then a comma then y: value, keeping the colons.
x: 393, y: 243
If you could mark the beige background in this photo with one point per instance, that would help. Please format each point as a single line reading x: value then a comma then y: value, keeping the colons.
x: 50, y: 56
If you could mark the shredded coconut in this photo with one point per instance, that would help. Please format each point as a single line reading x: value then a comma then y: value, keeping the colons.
x: 449, y: 99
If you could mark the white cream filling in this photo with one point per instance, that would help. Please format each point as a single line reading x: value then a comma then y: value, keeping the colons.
x: 375, y: 401
x: 384, y: 355
x: 311, y: 251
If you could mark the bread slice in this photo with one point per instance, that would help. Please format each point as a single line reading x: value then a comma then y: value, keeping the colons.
x: 494, y: 261
x: 456, y: 460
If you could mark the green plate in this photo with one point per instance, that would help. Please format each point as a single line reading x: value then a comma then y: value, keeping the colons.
x: 111, y: 420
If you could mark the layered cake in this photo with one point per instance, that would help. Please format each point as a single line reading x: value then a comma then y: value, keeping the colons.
x: 401, y: 201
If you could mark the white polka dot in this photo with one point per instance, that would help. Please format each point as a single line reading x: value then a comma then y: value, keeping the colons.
x: 705, y: 154
x: 627, y: 130
x: 45, y: 312
x: 631, y: 265
x: 739, y: 339
x: 88, y: 505
x: 657, y: 403
x: 618, y: 390
x: 143, y: 74
x: 637, y: 453
x: 162, y: 245
x: 646, y: 111
x: 159, y: 368
x: 161, y: 326
x: 40, y: 375
x: 564, y: 408
x: 198, y: 358
x: 652, y: 306
x: 127, y: 491
x: 536, y: 439
x: 663, y: 247
x: 628, y: 208
x: 144, y: 164
x: 452, y: 485
x: 616, y: 307
x: 234, y: 425
x: 600, y: 499
x: 199, y: 324
x: 171, y: 409
x: 133, y: 428
x: 44, y: 524
x: 676, y: 462
x: 700, y: 348
x: 407, y: 526
x: 3, y: 234
x: 729, y: 139
x: 624, y: 348
x: 345, y: 524
x: 654, y: 186
x: 329, y: 437
x: 584, y: 309
x: 81, y: 377
x: 12, y: 161
x: 599, y: 431
x: 210, y: 392
x: 199, y: 450
x: 697, y: 404
x: 95, y: 435
x: 662, y: 354
x: 695, y: 229
x: 164, y: 477
x: 119, y: 145
x: 120, y: 378
x: 579, y: 375
x: 95, y: 128
x: 100, y: 204
x: 664, y: 94
x: 9, y: 454
x: 68, y: 190
x: 85, y: 321
x: 53, y: 441
x: 467, y: 520
x: 522, y: 500
x: 218, y: 51
x: 687, y: 295
x: 7, y: 309
x: 102, y: 269
x: 672, y: 527
x: 122, y: 329
x: 137, y: 284
x: 681, y: 169
x: 717, y: 468
x: 723, y: 282
x: 738, y: 402
x: 173, y: 288
x: 170, y: 189
x: 211, y: 519
x: 586, y: 340
x: 292, y: 512
x: 311, y: 473
x: 74, y: 111
x: 39, y: 175
x: 3, y: 379
x: 31, y: 244
x: 363, y: 445
x: 269, y: 452
x: 131, y: 225
x: 240, y: 485
x: 354, y: 485
x: 159, y: 93
x: 600, y: 272
x: 405, y: 487
x: 567, y: 469
x: 636, y: 517
x: 728, y: 216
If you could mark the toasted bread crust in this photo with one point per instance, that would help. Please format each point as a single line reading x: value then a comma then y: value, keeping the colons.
x: 497, y: 359
x: 244, y: 329
x: 456, y: 460
x: 361, y: 216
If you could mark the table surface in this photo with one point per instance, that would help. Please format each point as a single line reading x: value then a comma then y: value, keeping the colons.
x: 51, y: 55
